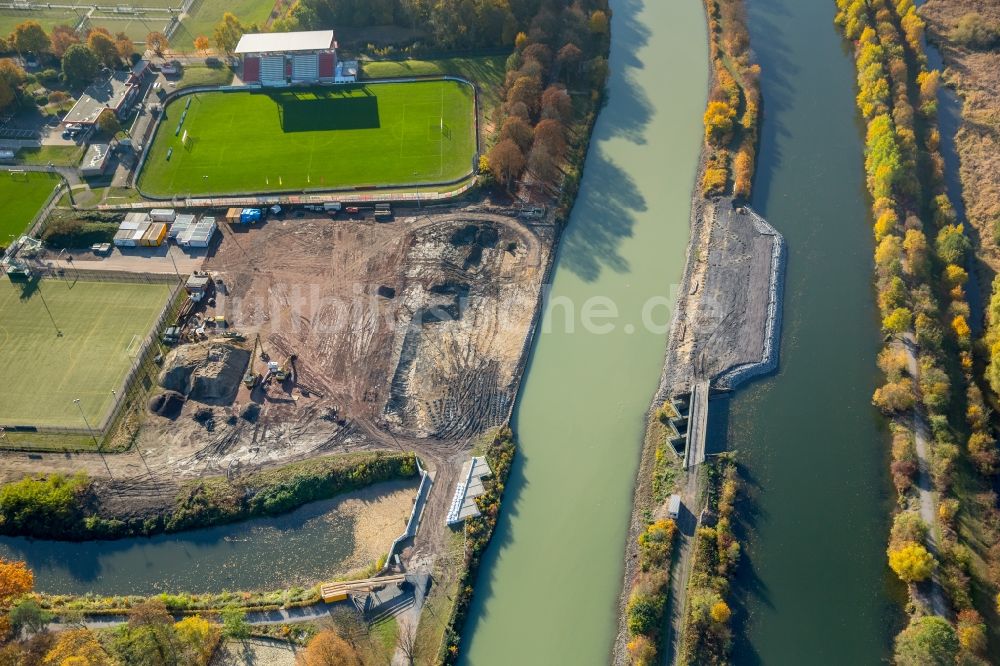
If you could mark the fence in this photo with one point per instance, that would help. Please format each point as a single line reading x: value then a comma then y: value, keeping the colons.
x: 411, y: 525
x: 350, y: 194
x: 129, y: 389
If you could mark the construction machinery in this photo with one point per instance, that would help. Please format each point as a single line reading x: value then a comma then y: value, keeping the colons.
x: 282, y: 372
x: 251, y: 377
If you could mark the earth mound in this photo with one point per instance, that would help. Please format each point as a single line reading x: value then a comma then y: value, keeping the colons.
x: 208, y: 372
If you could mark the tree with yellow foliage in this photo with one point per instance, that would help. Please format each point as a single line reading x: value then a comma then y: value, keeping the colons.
x: 198, y: 638
x: 720, y: 612
x: 911, y: 562
x: 77, y: 647
x: 898, y: 321
x: 961, y: 328
x: 719, y: 117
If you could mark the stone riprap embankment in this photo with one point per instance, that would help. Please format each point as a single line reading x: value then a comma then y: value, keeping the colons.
x: 727, y: 320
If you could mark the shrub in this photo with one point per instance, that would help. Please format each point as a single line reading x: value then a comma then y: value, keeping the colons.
x: 644, y: 612
x: 975, y: 32
x: 927, y: 641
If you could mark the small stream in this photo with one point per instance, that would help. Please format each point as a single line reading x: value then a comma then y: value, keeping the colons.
x: 303, y: 547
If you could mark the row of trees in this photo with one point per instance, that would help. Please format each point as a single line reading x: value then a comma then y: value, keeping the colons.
x: 558, y: 50
x: 732, y: 115
x: 921, y: 292
x: 647, y: 600
x: 707, y: 635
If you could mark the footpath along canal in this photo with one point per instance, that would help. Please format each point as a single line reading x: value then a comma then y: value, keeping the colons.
x: 548, y: 587
x: 814, y: 586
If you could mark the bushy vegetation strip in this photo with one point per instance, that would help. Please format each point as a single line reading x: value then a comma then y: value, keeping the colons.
x: 733, y: 113
x: 921, y: 295
x: 478, y: 532
x: 68, y: 508
x: 647, y: 600
x: 707, y: 636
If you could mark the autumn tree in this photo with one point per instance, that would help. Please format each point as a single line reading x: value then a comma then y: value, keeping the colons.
x: 29, y: 37
x: 894, y: 397
x: 148, y: 633
x: 718, y: 118
x: 598, y: 22
x: 568, y: 58
x: 927, y: 641
x: 228, y: 32
x: 911, y: 562
x: 63, y: 37
x: 542, y: 164
x: 551, y: 135
x: 104, y: 48
x: 525, y: 90
x: 16, y: 580
x: 519, y: 131
x: 77, y: 647
x: 124, y: 45
x: 952, y: 244
x: 11, y: 79
x: 328, y: 649
x: 506, y: 162
x: 201, y: 43
x: 197, y: 638
x: 898, y: 321
x: 157, y: 42
x: 556, y: 104
x: 720, y: 612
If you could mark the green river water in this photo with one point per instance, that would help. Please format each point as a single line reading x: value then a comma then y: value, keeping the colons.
x: 813, y: 587
x: 549, y: 583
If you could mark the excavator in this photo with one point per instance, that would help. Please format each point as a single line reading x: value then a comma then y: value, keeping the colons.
x: 251, y: 377
x: 282, y: 372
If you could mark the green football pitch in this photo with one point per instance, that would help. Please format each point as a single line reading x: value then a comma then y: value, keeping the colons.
x: 280, y: 140
x: 103, y: 325
x: 22, y: 195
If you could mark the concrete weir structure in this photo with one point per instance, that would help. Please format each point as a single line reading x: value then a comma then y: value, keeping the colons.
x: 727, y: 322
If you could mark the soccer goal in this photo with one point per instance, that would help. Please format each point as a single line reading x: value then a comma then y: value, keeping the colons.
x: 19, y: 174
x: 132, y: 350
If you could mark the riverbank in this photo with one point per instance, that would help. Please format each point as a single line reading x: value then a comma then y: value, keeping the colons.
x: 725, y: 327
x: 927, y: 359
x: 80, y: 509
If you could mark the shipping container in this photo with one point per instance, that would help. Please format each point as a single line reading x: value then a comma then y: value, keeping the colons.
x: 162, y: 214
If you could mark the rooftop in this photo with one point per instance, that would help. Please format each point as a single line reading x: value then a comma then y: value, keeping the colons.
x: 469, y: 487
x: 101, y: 95
x: 313, y: 40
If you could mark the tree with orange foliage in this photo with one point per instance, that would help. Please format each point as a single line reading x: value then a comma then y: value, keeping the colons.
x: 551, y: 135
x: 158, y: 42
x: 328, y: 649
x: 506, y: 162
x: 16, y: 579
x: 63, y: 37
x: 201, y: 43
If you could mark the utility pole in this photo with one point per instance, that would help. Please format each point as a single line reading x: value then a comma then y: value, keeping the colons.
x: 94, y: 437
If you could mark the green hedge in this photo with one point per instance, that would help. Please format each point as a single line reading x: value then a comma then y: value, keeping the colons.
x: 57, y: 507
x: 478, y: 531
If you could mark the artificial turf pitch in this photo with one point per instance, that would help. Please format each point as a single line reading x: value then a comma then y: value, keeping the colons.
x: 103, y: 325
x: 319, y: 138
x: 21, y: 195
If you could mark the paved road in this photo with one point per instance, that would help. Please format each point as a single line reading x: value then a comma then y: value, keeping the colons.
x: 925, y: 487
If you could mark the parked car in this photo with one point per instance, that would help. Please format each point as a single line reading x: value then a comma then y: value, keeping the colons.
x: 351, y: 209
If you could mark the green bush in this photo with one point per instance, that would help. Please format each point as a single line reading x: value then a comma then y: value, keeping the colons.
x: 41, y: 506
x: 644, y: 612
x: 68, y: 233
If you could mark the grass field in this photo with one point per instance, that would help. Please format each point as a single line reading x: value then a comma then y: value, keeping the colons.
x: 282, y: 140
x: 103, y: 325
x: 487, y: 72
x: 205, y: 14
x: 21, y: 200
x: 58, y: 155
x: 135, y: 28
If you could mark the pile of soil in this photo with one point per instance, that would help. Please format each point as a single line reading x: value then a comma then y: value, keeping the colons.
x: 208, y: 372
x: 167, y: 404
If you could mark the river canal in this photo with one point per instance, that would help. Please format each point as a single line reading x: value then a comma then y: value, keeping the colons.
x: 814, y: 587
x: 549, y: 583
